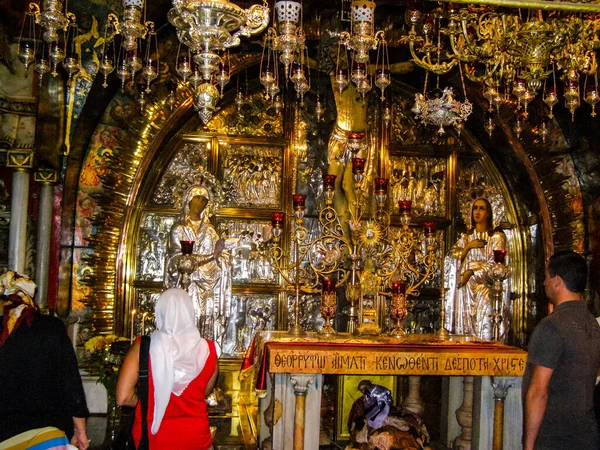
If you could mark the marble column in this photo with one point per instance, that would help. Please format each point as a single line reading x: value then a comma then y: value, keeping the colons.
x: 46, y: 178
x: 21, y: 161
x: 413, y: 402
x: 301, y: 384
x: 501, y: 386
x: 464, y: 415
x: 292, y: 404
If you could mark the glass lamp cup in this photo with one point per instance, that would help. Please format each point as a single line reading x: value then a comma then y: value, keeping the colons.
x: 398, y: 288
x: 277, y: 220
x: 187, y: 247
x: 404, y: 208
x: 499, y: 256
x: 429, y: 228
x: 329, y: 186
x: 381, y: 185
x: 299, y: 202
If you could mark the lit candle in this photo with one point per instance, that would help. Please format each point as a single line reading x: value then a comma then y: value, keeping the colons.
x: 299, y: 200
x: 358, y: 165
x: 132, y: 326
x: 277, y: 218
x: 329, y: 181
x: 381, y: 184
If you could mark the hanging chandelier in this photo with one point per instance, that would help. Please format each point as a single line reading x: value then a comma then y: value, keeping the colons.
x: 359, y: 41
x: 56, y: 50
x: 514, y: 54
x: 207, y: 28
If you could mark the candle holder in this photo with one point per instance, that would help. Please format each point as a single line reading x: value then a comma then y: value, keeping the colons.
x: 498, y: 272
x: 328, y: 306
x: 339, y: 252
x: 405, y: 210
x: 187, y: 247
x: 398, y: 309
x: 442, y: 333
x: 186, y: 264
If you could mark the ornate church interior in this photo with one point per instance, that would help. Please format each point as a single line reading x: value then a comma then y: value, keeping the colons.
x: 317, y: 176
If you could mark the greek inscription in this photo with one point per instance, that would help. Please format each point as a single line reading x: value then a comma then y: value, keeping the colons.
x: 418, y: 362
x: 348, y: 362
x: 300, y: 361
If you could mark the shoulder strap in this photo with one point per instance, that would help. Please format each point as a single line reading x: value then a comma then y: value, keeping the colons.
x: 144, y: 373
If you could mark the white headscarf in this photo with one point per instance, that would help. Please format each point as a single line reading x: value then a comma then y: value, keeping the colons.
x: 177, y: 351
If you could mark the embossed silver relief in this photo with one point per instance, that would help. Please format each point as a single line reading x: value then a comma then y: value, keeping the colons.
x: 188, y: 165
x: 249, y: 257
x: 249, y: 314
x: 310, y: 311
x: 252, y: 175
x: 146, y: 300
x: 152, y: 246
x: 421, y: 180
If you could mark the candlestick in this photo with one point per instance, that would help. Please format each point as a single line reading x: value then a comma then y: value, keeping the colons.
x: 132, y: 326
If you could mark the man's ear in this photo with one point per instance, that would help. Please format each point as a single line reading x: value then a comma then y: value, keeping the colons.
x: 559, y: 282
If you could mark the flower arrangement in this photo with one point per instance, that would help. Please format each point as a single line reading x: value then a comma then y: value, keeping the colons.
x: 105, y: 355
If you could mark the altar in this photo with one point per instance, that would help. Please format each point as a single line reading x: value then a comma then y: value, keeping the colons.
x: 288, y: 371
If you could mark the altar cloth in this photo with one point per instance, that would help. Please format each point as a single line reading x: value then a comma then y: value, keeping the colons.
x: 413, y: 354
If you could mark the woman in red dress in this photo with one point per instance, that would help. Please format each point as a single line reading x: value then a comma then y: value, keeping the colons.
x: 183, y: 370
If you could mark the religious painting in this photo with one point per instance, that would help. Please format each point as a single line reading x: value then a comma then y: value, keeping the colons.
x: 348, y: 393
x: 152, y: 246
x: 250, y: 263
x: 251, y: 175
x: 253, y: 116
x: 421, y: 180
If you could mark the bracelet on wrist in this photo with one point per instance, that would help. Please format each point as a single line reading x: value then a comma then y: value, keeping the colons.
x: 79, y: 430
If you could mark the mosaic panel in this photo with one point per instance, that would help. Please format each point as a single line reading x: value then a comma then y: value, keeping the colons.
x: 251, y: 175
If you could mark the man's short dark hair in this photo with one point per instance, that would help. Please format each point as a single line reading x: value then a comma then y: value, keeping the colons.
x: 571, y: 268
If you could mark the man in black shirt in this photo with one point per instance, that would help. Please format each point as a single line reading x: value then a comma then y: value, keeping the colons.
x: 563, y: 360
